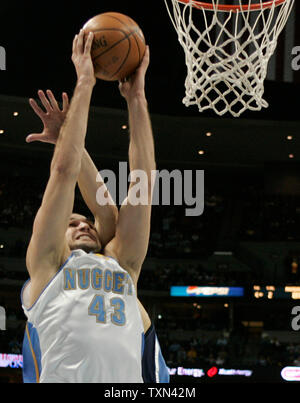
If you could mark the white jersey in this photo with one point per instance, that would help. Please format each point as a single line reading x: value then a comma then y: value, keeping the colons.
x: 86, y: 325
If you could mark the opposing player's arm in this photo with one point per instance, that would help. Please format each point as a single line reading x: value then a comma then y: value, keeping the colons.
x: 47, y: 246
x: 89, y: 179
x: 105, y: 214
x: 131, y: 241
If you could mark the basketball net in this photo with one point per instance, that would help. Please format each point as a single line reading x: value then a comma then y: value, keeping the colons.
x: 227, y: 50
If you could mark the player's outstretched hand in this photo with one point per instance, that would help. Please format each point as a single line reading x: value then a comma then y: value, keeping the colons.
x: 134, y: 86
x: 82, y: 58
x: 52, y: 117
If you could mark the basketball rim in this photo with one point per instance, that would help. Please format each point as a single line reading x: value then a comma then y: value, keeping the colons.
x: 234, y: 8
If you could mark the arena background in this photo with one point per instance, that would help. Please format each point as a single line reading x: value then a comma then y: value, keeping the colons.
x: 248, y: 235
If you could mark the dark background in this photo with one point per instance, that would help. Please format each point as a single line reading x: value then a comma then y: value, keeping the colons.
x: 252, y: 189
x: 38, y: 40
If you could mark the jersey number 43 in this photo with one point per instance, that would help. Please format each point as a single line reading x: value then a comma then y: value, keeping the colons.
x: 97, y: 308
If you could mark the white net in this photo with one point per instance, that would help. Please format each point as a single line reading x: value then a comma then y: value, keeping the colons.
x: 227, y: 52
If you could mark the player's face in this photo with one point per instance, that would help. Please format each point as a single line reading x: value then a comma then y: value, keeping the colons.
x: 82, y: 234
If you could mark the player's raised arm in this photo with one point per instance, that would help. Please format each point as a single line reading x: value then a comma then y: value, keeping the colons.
x: 48, y: 248
x: 130, y: 244
x: 53, y: 118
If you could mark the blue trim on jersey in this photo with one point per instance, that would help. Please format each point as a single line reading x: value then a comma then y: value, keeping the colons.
x: 149, y: 368
x: 143, y: 343
x: 31, y: 355
x: 28, y: 281
x: 109, y: 257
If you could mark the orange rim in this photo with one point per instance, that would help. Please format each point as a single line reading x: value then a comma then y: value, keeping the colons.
x: 234, y: 8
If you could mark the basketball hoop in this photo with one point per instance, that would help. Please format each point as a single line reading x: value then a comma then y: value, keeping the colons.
x: 232, y: 7
x: 227, y: 50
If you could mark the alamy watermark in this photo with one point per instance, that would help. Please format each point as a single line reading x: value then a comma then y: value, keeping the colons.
x: 296, y: 59
x: 168, y: 188
x: 296, y: 320
x: 2, y: 318
x: 2, y: 58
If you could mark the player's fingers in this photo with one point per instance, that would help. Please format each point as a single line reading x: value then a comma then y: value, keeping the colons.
x: 121, y: 84
x: 65, y: 99
x: 75, y: 43
x: 52, y: 99
x: 45, y: 101
x: 80, y: 41
x: 36, y: 108
x: 146, y: 59
x: 88, y: 43
x: 34, y: 137
x: 147, y: 53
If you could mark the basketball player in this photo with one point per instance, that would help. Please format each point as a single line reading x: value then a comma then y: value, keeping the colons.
x: 85, y: 323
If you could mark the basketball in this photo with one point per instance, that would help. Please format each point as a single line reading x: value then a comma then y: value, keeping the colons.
x: 118, y: 47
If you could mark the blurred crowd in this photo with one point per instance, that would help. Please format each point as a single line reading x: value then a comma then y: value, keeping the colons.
x: 273, y: 352
x: 175, y: 236
x: 20, y: 198
x: 269, y: 217
x: 204, y: 351
x: 226, y: 351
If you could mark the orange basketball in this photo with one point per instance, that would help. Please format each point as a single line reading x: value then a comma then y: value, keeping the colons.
x: 118, y: 47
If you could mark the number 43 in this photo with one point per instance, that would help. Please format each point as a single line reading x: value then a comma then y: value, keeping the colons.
x: 98, y: 309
